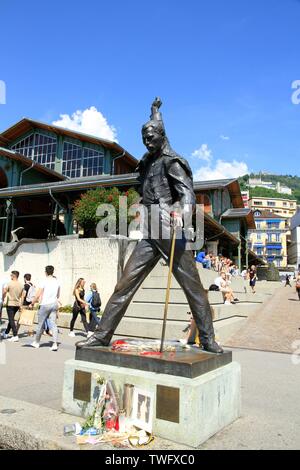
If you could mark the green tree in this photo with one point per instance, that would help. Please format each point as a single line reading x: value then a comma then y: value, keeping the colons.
x: 86, y: 207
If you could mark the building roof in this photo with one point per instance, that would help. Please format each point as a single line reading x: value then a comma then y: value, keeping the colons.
x: 73, y: 184
x: 240, y: 213
x: 26, y: 124
x: 265, y: 214
x: 28, y: 163
x: 232, y: 185
x: 213, y: 184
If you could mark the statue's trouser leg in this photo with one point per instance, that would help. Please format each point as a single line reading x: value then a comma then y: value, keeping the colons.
x: 186, y: 274
x: 143, y: 259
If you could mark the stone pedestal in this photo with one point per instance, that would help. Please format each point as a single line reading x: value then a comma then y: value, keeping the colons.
x: 188, y: 410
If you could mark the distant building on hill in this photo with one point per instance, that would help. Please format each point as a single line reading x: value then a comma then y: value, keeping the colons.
x: 258, y: 183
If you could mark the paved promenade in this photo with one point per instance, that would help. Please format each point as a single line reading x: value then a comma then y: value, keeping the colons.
x: 274, y: 327
x: 270, y: 381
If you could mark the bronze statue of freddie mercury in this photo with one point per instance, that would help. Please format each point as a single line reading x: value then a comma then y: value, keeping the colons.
x: 165, y: 178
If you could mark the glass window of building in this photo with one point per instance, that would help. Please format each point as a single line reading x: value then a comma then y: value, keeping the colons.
x: 92, y: 162
x: 271, y: 203
x: 273, y: 225
x: 81, y: 161
x: 71, y: 161
x: 39, y: 147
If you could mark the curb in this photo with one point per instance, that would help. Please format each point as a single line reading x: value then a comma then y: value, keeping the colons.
x: 34, y: 427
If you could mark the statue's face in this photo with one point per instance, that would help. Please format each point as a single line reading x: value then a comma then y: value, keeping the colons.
x: 152, y: 139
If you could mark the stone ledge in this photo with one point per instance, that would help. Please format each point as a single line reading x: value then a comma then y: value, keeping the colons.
x: 34, y: 427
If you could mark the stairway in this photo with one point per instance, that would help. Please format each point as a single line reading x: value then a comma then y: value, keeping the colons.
x: 144, y: 316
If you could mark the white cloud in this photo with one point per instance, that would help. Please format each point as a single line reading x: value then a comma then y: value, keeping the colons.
x: 90, y: 121
x: 219, y: 169
x: 203, y: 153
x: 224, y: 137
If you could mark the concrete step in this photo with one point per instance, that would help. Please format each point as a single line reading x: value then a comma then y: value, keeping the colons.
x: 152, y: 329
x: 221, y: 312
x: 224, y: 329
x: 158, y: 281
x: 160, y: 272
x: 153, y: 310
x: 177, y: 296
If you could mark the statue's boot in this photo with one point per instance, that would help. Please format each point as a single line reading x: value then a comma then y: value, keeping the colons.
x: 213, y: 347
x: 94, y: 341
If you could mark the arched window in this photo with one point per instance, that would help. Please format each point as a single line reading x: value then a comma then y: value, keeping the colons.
x: 39, y: 147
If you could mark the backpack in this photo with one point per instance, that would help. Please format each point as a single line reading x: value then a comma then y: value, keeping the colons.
x: 213, y: 288
x: 30, y: 294
x: 96, y: 301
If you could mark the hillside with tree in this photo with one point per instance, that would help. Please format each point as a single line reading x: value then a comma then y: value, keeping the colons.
x: 290, y: 181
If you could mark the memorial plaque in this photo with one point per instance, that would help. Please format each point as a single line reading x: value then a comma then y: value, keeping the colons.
x: 167, y: 403
x: 82, y: 385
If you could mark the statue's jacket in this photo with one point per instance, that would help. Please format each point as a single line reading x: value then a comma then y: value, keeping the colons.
x: 165, y: 180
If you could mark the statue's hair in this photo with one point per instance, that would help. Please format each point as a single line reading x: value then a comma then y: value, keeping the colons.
x: 157, y: 125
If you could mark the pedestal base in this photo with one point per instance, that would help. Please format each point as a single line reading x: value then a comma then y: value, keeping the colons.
x: 186, y: 410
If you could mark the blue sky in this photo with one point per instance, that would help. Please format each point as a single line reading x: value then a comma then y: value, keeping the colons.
x: 224, y: 71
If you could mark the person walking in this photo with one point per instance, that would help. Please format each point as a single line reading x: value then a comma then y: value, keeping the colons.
x: 48, y: 294
x: 27, y: 295
x: 288, y: 281
x: 298, y: 285
x: 245, y: 276
x: 79, y: 306
x: 13, y: 290
x: 253, y: 278
x: 26, y: 300
x: 94, y: 302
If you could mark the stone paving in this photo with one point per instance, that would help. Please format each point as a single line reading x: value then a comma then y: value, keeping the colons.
x: 270, y: 380
x: 274, y: 327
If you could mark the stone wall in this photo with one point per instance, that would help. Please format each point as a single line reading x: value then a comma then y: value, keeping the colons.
x: 94, y: 259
